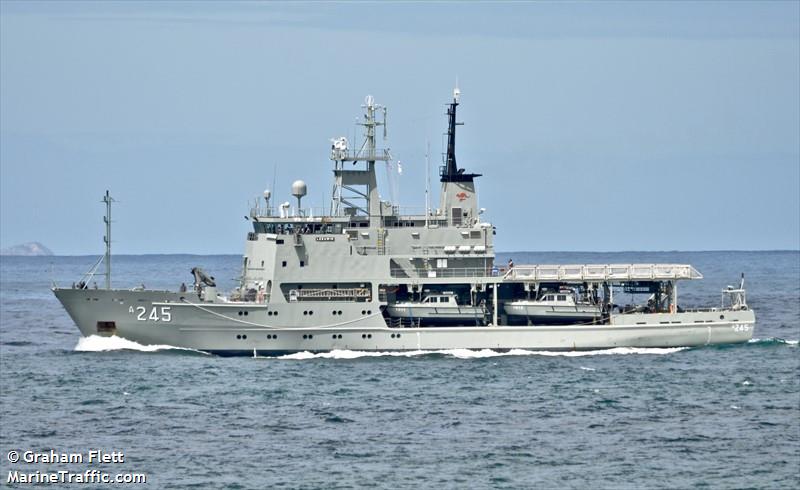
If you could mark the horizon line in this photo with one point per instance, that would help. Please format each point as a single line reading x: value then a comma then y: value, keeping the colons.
x: 497, y: 253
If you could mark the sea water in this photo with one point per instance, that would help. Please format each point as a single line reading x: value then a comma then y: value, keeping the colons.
x: 715, y: 417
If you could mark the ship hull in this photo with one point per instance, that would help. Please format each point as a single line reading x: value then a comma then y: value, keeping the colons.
x: 165, y: 318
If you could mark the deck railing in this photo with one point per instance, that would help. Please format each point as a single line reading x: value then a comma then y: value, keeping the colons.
x: 421, y: 250
x: 329, y: 294
x: 444, y: 272
x: 563, y: 273
x: 378, y: 154
x: 602, y: 272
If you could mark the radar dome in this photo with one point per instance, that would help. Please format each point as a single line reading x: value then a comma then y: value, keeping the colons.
x: 267, y: 194
x: 299, y: 189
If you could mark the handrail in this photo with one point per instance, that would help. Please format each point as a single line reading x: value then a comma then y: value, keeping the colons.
x: 329, y: 293
x: 602, y: 272
x: 443, y: 272
x: 417, y: 250
x: 362, y: 154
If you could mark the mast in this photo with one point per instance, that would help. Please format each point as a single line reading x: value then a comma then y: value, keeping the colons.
x: 451, y: 168
x: 449, y: 171
x: 458, y: 202
x: 427, y: 181
x: 359, y: 183
x: 107, y: 199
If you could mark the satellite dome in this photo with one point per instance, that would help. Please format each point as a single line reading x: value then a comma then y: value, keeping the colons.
x: 267, y: 194
x: 299, y: 189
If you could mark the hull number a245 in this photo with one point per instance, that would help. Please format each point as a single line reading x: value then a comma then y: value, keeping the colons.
x: 157, y: 314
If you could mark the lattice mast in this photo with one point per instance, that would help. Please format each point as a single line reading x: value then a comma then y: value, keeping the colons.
x: 357, y: 186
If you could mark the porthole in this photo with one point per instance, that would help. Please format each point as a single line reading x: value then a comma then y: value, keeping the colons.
x: 238, y: 337
x: 398, y: 336
x: 274, y: 336
x: 369, y: 335
x: 334, y: 312
x: 369, y: 312
x: 310, y: 336
x: 340, y: 312
x: 334, y: 336
x: 363, y: 312
x: 305, y: 336
x: 305, y: 312
x: 269, y: 313
x: 363, y: 336
x: 240, y: 313
x: 340, y: 336
x: 310, y: 312
x: 722, y: 317
x: 245, y: 313
x: 244, y: 337
x: 392, y: 335
x: 275, y: 313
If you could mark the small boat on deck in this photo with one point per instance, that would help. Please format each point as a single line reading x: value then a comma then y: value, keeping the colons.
x: 562, y: 307
x: 437, y: 309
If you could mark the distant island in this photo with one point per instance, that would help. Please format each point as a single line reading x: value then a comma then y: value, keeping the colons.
x: 30, y: 249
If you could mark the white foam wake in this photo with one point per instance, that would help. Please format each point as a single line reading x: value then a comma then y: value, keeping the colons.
x: 95, y: 343
x: 773, y: 340
x: 479, y: 354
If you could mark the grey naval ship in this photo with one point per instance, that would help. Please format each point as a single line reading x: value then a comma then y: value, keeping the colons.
x: 365, y: 276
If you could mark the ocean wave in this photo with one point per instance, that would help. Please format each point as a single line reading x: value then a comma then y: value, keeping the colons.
x: 95, y: 343
x: 480, y: 354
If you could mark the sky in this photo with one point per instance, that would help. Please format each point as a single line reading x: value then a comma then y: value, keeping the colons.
x: 602, y: 126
